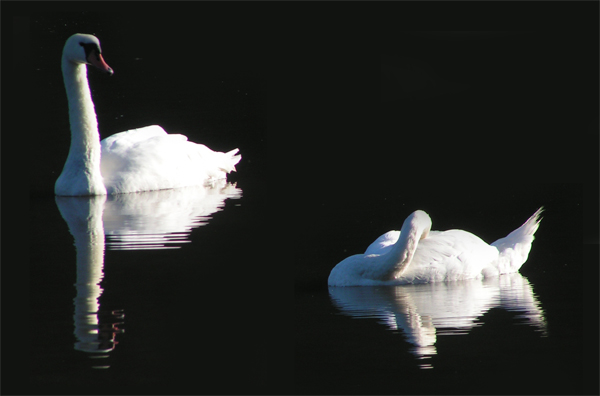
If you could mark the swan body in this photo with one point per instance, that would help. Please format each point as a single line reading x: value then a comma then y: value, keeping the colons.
x: 415, y: 254
x: 143, y: 159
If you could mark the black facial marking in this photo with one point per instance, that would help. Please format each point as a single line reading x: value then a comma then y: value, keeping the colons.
x: 90, y: 48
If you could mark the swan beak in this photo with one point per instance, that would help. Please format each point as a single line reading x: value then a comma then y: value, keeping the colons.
x: 96, y: 60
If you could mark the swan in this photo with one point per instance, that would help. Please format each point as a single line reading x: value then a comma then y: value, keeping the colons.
x: 415, y: 254
x: 142, y: 159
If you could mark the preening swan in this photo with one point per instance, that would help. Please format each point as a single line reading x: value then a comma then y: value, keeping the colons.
x: 141, y: 159
x: 415, y: 254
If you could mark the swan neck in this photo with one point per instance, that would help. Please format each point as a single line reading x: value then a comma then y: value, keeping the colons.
x: 415, y: 228
x: 81, y: 174
x: 82, y: 116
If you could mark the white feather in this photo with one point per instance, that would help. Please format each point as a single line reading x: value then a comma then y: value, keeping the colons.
x: 417, y: 255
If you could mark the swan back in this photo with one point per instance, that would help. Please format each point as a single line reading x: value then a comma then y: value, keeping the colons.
x: 148, y: 159
x: 384, y: 243
x: 449, y: 256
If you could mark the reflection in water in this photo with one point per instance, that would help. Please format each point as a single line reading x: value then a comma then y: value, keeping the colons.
x: 162, y: 219
x: 427, y: 311
x: 149, y: 220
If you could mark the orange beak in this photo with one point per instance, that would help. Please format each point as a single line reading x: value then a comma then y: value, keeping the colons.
x: 97, y: 61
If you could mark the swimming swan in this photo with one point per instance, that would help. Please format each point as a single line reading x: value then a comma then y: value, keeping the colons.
x: 141, y: 159
x: 418, y: 255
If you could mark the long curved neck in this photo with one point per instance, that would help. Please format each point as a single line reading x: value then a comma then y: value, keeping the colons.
x: 415, y: 228
x: 81, y: 174
x: 82, y: 117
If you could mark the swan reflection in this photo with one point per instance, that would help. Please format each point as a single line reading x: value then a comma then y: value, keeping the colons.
x: 149, y: 220
x: 427, y: 311
x: 162, y: 219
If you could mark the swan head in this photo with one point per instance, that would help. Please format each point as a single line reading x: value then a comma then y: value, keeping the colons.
x: 85, y: 49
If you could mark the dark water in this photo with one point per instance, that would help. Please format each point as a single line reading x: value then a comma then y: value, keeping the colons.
x: 156, y: 315
x: 183, y: 309
x: 242, y: 305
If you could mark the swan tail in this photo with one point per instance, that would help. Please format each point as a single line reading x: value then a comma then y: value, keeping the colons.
x: 229, y: 160
x: 514, y: 248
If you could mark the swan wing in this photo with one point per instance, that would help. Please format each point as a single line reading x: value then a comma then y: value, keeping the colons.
x: 447, y: 256
x: 148, y: 158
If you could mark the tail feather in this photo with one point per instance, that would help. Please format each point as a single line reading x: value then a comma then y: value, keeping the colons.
x: 230, y: 159
x: 514, y: 248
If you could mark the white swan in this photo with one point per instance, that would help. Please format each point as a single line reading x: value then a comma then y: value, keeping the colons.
x: 418, y: 255
x: 141, y: 159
